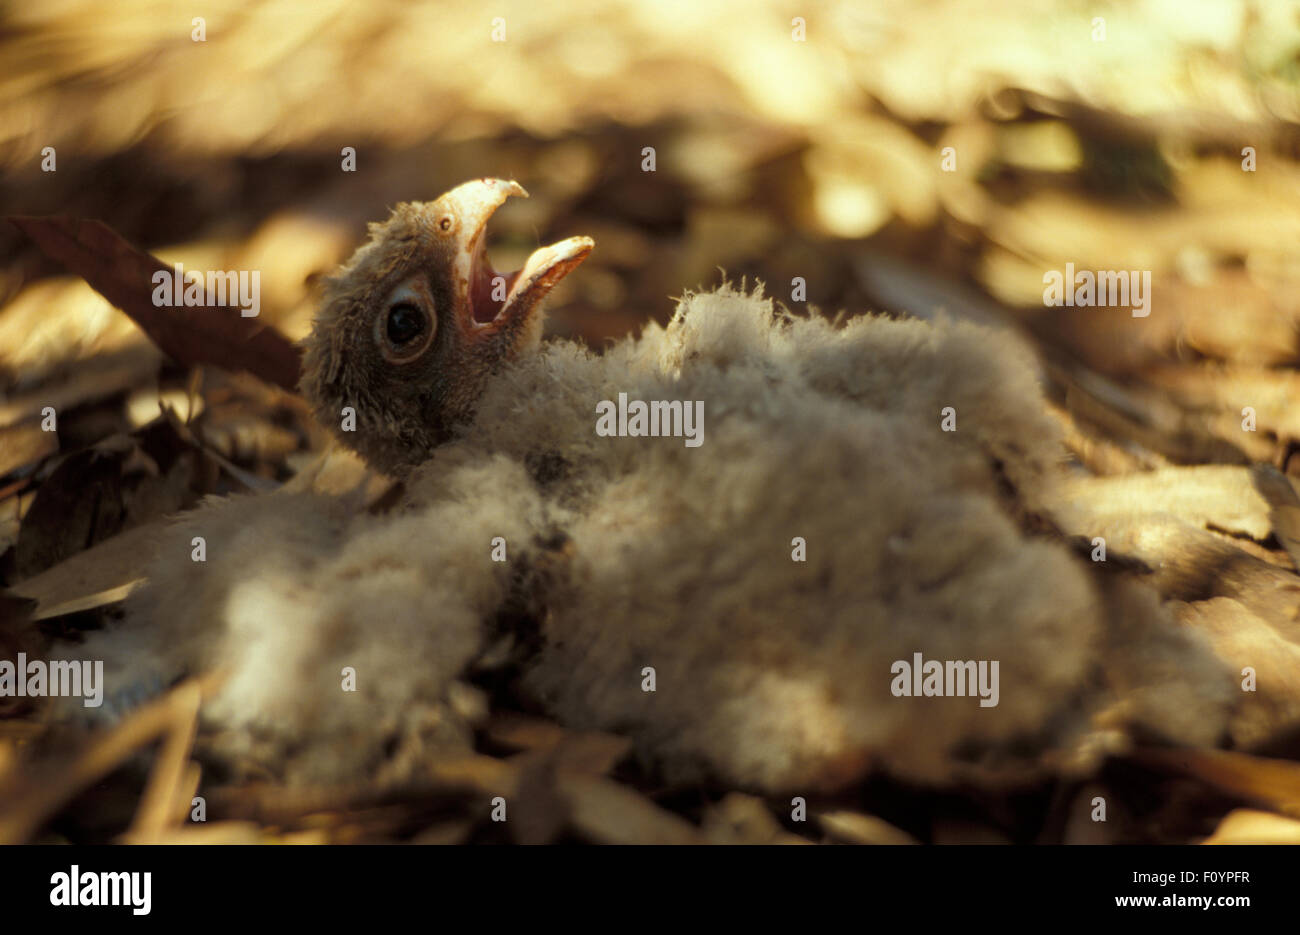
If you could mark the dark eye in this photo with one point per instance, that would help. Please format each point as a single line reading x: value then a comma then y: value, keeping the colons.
x: 405, y: 325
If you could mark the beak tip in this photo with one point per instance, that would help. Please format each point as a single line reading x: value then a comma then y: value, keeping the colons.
x: 509, y: 186
x: 475, y: 200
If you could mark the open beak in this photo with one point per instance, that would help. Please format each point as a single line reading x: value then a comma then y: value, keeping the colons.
x: 494, y: 299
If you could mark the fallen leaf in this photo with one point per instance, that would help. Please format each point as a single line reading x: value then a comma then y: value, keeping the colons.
x: 577, y: 751
x: 1274, y: 783
x: 101, y: 574
x: 1247, y: 826
x: 609, y: 813
x: 857, y: 828
x: 39, y: 794
x: 745, y: 819
x: 24, y: 444
x: 121, y: 482
x: 190, y: 335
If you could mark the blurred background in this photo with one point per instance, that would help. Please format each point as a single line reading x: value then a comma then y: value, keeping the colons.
x: 910, y: 157
x: 902, y: 156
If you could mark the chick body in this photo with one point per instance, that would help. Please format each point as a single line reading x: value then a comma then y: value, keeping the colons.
x: 774, y: 672
x: 904, y: 456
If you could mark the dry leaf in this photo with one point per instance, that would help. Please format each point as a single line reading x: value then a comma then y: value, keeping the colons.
x: 857, y: 828
x: 745, y: 819
x: 24, y: 444
x: 1274, y: 783
x: 101, y: 574
x: 610, y: 813
x: 189, y: 335
x: 1247, y: 826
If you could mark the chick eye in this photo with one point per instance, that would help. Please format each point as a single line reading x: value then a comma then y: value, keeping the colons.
x: 405, y: 324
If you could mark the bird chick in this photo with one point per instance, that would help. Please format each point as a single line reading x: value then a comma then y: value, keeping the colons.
x: 340, y: 637
x: 827, y: 528
x: 860, y: 498
x: 413, y: 326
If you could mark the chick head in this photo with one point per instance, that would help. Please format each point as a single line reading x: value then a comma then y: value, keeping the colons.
x: 417, y: 321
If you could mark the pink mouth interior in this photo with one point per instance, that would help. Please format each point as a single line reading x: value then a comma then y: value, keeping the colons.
x: 545, y: 267
x: 482, y: 306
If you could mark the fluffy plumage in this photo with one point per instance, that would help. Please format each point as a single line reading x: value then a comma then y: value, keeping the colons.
x: 775, y: 673
x: 636, y: 552
x: 295, y: 589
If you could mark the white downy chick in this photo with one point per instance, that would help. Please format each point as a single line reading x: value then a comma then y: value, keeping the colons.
x: 826, y: 530
x: 340, y: 637
x: 779, y: 673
